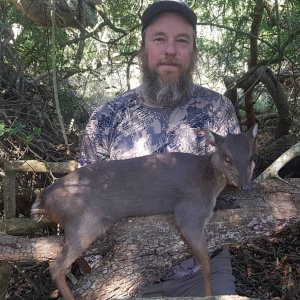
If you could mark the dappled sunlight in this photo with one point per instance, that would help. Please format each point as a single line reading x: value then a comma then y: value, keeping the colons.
x: 283, y: 205
x: 152, y: 162
x: 124, y: 277
x: 139, y: 146
x: 45, y: 248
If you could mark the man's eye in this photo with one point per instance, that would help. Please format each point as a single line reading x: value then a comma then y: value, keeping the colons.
x: 159, y: 39
x: 183, y: 41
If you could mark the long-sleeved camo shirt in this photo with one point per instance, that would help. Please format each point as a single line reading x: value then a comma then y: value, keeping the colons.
x: 126, y: 128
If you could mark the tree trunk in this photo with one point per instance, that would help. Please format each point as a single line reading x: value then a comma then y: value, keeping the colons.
x: 271, y: 82
x: 266, y: 76
x: 232, y: 94
x: 76, y: 14
x: 253, y: 60
x: 138, y: 251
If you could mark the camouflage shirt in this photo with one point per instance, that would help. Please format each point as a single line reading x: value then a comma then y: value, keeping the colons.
x: 125, y: 128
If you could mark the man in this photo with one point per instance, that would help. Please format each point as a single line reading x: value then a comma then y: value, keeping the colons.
x: 163, y: 115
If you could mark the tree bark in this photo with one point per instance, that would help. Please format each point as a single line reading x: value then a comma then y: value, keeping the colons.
x: 232, y: 94
x: 266, y: 76
x: 38, y: 166
x: 76, y: 14
x: 272, y: 84
x: 138, y: 251
x: 252, y: 61
x: 272, y: 170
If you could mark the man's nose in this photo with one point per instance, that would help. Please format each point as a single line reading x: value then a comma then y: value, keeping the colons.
x: 171, y: 49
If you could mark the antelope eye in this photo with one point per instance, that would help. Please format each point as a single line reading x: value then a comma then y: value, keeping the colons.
x: 227, y: 159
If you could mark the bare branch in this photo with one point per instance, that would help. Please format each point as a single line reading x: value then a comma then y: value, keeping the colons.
x: 273, y: 169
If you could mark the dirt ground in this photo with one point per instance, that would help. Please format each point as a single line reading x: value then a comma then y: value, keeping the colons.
x: 269, y: 268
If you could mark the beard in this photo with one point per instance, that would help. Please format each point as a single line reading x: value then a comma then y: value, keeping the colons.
x: 171, y: 89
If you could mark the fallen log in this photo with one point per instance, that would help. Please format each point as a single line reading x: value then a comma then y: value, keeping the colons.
x: 138, y: 251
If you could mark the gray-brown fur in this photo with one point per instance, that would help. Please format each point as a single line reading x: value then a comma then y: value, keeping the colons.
x: 89, y: 200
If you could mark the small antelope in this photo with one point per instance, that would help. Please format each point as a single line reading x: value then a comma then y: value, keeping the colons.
x: 88, y: 201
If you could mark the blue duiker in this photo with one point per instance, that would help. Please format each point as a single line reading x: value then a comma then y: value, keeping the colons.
x: 88, y: 201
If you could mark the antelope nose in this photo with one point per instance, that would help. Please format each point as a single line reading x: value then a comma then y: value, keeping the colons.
x: 246, y: 187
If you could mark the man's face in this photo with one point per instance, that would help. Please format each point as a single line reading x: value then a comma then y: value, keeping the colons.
x: 169, y: 46
x: 168, y: 59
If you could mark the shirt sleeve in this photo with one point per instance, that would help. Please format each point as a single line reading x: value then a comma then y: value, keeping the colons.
x: 95, y: 143
x: 226, y: 120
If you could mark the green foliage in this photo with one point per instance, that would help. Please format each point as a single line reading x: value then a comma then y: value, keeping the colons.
x: 33, y: 47
x: 19, y: 129
x: 223, y: 39
x: 15, y: 129
x: 123, y: 14
x: 2, y: 129
x: 97, y: 66
x: 264, y: 105
x: 228, y: 34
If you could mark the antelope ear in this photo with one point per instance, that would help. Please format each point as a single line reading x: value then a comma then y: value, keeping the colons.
x: 252, y: 131
x: 213, y: 138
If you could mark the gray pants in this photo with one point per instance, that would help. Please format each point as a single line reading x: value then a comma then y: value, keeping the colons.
x: 221, y: 278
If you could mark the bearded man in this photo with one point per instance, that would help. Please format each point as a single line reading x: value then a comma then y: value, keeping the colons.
x: 163, y: 115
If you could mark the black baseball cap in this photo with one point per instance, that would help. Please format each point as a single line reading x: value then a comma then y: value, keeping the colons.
x: 162, y: 6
